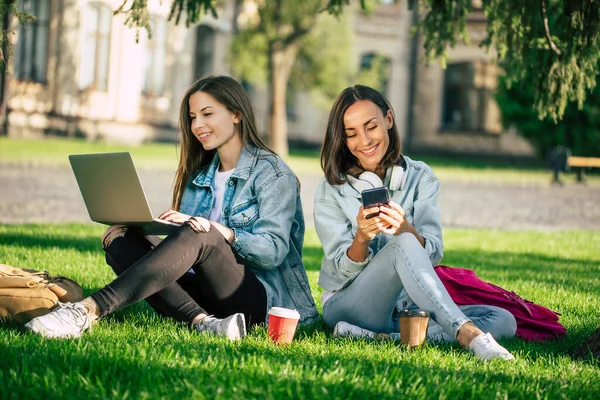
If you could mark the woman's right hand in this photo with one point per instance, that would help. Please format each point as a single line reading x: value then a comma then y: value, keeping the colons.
x: 198, y: 223
x: 368, y: 228
x: 174, y: 216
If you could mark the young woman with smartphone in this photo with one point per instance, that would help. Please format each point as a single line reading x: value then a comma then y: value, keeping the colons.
x: 379, y: 260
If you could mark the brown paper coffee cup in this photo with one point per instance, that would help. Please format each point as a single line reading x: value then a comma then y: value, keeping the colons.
x: 413, y: 327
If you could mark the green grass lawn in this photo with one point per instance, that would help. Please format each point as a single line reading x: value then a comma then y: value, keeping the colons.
x: 165, y: 156
x: 136, y: 354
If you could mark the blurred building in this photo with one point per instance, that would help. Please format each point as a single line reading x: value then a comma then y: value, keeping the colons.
x: 79, y: 71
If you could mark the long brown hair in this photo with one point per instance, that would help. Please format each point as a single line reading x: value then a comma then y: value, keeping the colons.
x: 232, y: 95
x: 336, y: 158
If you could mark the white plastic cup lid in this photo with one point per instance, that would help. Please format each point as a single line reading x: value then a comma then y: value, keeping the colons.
x: 284, y: 312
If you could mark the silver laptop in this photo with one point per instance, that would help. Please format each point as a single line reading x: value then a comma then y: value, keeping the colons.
x: 113, y: 193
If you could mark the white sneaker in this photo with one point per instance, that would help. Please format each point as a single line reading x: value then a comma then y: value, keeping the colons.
x: 232, y: 327
x: 345, y: 329
x: 486, y: 348
x: 66, y: 320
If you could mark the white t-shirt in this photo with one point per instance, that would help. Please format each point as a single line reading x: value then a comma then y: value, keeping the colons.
x: 220, y: 183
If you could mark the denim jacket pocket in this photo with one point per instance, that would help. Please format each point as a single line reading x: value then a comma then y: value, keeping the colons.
x: 244, y: 215
x: 296, y: 282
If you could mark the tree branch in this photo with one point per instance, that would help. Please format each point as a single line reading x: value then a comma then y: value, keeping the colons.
x: 547, y: 28
x: 294, y: 36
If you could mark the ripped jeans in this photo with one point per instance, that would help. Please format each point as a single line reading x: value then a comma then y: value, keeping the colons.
x: 400, y: 276
x: 189, y: 273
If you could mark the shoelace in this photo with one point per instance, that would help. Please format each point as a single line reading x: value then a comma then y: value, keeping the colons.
x: 201, y: 326
x: 79, y: 314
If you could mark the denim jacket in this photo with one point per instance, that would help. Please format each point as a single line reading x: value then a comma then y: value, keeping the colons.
x: 336, y: 208
x: 262, y: 205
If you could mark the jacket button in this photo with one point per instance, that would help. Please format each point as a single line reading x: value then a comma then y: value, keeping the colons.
x: 226, y: 211
x: 231, y: 182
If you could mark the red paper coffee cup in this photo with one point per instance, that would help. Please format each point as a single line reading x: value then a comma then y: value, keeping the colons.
x: 282, y: 324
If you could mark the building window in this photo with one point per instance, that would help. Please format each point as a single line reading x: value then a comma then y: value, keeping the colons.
x: 374, y: 71
x: 468, y: 90
x: 97, y: 22
x: 31, y: 58
x: 205, y: 48
x: 154, y: 81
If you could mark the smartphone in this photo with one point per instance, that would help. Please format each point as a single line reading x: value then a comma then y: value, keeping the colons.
x: 375, y: 197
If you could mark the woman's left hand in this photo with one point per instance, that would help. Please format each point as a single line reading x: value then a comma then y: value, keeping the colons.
x: 174, y: 216
x: 395, y: 215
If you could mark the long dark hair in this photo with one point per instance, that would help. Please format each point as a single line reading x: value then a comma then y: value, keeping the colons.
x: 336, y: 159
x: 232, y: 95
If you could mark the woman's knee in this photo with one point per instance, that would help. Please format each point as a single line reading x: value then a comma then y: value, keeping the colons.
x: 113, y: 232
x: 505, y: 325
x: 406, y: 241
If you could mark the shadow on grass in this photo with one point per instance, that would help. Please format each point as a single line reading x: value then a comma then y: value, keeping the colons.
x: 44, y: 240
x: 178, y: 365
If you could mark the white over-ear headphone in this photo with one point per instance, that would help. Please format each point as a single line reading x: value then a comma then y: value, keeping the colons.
x: 371, y: 178
x: 394, y: 177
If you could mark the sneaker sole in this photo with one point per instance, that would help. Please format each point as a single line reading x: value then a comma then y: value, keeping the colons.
x: 240, y: 325
x: 40, y: 329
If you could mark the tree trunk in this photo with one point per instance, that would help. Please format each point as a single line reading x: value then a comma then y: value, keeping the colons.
x: 590, y: 348
x: 4, y: 67
x: 281, y: 60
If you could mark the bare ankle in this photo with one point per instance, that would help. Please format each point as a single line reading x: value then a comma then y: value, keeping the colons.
x: 466, y: 333
x: 91, y: 306
x: 199, y: 318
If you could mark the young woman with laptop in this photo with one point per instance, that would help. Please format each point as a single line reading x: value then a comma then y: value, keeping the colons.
x: 239, y: 248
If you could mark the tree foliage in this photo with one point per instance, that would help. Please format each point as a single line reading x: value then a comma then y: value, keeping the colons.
x: 579, y: 129
x: 9, y: 7
x: 553, y: 43
x: 292, y: 44
x: 322, y: 60
x: 559, y: 39
x: 376, y: 75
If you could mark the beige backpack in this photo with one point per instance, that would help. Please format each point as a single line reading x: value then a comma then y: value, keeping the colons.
x: 27, y: 293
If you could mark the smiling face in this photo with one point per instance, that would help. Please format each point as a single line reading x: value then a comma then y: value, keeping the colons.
x: 367, y: 135
x: 212, y: 123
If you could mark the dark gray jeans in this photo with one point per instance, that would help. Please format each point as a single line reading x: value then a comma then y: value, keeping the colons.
x: 187, y: 274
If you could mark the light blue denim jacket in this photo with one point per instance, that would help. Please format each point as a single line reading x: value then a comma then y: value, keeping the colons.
x: 262, y: 205
x: 336, y: 208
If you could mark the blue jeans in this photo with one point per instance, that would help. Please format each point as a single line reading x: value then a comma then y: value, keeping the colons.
x: 401, y: 277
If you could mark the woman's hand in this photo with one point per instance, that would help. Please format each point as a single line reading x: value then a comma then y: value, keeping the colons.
x: 394, y: 218
x: 395, y: 222
x: 174, y: 216
x: 368, y: 228
x: 199, y: 224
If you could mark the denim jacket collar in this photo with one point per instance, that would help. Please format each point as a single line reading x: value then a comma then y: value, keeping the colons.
x: 243, y: 168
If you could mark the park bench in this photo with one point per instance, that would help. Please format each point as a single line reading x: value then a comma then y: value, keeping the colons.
x: 560, y: 159
x: 581, y: 164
